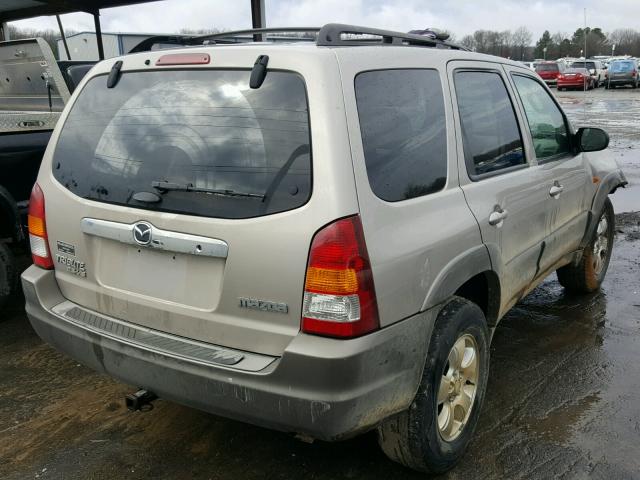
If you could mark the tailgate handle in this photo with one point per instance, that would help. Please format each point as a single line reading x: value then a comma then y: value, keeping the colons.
x: 143, y: 234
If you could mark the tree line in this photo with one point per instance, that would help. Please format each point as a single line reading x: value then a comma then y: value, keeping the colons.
x: 517, y: 44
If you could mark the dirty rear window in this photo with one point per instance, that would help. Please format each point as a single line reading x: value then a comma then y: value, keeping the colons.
x: 201, y: 129
x: 621, y: 66
x: 547, y: 67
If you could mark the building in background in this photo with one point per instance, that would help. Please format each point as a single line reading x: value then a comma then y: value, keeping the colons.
x: 83, y: 45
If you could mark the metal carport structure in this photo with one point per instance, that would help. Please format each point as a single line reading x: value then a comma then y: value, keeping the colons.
x: 12, y: 10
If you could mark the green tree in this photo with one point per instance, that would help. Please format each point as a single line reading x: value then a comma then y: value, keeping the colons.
x: 545, y: 42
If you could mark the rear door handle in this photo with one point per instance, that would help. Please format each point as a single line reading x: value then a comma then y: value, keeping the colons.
x: 556, y: 190
x: 497, y: 217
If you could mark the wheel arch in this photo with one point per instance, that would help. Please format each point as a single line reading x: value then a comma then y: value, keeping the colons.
x: 608, y: 185
x: 469, y: 275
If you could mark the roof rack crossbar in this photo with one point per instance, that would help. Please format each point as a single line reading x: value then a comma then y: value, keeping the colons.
x: 252, y: 31
x: 333, y: 34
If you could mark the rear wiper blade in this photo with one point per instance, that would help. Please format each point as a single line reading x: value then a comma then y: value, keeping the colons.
x: 187, y: 187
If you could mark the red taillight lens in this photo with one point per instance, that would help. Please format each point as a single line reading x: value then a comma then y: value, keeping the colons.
x: 38, y: 230
x: 339, y: 294
x: 634, y: 73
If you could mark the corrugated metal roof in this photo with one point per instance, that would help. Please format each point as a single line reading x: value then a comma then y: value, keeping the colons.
x: 11, y: 10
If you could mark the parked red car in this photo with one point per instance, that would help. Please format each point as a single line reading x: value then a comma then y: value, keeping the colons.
x: 549, y: 71
x: 576, y: 78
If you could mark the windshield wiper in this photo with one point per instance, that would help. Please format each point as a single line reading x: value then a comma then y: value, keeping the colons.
x: 187, y: 187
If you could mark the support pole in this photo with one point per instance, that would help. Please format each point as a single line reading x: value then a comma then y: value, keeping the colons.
x: 258, y: 18
x: 5, y: 31
x: 64, y: 39
x: 96, y: 21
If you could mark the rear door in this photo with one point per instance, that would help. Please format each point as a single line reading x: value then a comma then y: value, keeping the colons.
x: 564, y: 170
x: 499, y: 177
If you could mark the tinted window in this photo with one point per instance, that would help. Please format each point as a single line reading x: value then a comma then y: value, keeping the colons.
x: 489, y: 126
x: 203, y: 128
x: 546, y: 122
x: 547, y: 67
x: 402, y: 123
x: 587, y: 65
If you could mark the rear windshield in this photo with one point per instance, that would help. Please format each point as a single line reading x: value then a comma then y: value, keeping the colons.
x: 588, y: 65
x: 246, y: 150
x: 621, y: 66
x: 547, y: 67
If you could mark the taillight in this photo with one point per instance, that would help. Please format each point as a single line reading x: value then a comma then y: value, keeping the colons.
x: 38, y: 230
x: 634, y: 73
x: 339, y: 294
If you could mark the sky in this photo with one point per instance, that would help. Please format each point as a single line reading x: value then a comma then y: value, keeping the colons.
x: 458, y: 16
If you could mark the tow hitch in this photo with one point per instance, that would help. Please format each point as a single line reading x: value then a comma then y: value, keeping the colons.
x: 140, y: 400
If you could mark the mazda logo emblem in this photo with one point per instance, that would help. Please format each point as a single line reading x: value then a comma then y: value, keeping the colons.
x: 142, y: 233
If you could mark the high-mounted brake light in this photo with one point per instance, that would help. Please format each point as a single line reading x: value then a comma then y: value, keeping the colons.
x: 38, y: 230
x: 339, y: 294
x: 184, y: 59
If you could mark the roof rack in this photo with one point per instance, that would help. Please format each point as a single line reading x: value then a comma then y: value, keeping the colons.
x: 337, y: 34
x: 330, y: 35
x: 256, y: 32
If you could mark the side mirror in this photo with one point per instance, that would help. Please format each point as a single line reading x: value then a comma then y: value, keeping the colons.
x: 591, y: 139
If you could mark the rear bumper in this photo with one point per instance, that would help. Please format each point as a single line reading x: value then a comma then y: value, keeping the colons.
x: 550, y: 81
x: 579, y: 83
x: 622, y: 81
x: 326, y: 389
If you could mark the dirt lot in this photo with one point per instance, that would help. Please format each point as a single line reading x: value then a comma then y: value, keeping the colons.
x: 562, y: 399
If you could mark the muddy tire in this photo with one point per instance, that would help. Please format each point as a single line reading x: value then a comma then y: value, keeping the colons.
x: 7, y: 274
x: 433, y: 433
x: 589, y: 273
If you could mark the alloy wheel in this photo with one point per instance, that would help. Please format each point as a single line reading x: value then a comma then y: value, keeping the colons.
x: 458, y: 387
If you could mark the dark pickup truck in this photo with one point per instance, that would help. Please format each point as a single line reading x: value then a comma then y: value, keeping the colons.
x: 34, y: 88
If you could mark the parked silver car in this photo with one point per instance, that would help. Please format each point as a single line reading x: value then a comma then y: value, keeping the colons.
x: 319, y: 238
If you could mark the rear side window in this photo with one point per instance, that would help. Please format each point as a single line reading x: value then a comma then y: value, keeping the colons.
x: 490, y: 132
x: 246, y: 150
x: 402, y: 122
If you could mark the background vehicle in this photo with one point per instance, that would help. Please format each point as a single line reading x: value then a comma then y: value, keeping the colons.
x: 595, y: 69
x: 213, y: 224
x: 549, y: 71
x: 32, y: 95
x: 622, y: 72
x: 530, y: 65
x: 576, y: 78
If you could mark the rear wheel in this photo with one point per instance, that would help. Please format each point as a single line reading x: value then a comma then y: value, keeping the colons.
x: 589, y: 273
x: 433, y: 433
x: 7, y: 274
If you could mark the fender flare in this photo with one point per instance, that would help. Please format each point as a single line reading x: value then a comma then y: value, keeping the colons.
x: 609, y: 184
x: 458, y: 271
x: 9, y: 217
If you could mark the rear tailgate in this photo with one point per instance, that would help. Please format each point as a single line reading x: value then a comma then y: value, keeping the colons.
x: 223, y: 268
x: 32, y: 90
